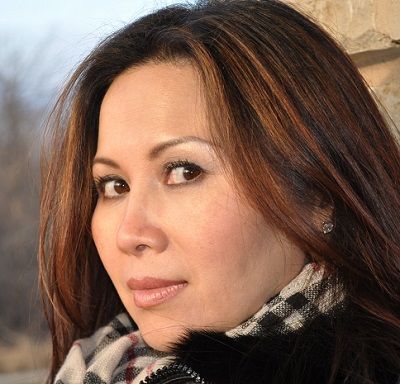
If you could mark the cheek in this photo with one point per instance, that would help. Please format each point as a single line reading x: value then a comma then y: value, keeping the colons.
x: 103, y: 227
x: 223, y: 233
x: 232, y: 246
x: 99, y: 227
x: 211, y: 222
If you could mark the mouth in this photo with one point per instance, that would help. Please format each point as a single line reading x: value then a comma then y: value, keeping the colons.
x: 150, y: 291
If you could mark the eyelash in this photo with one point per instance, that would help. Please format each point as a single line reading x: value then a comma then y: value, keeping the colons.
x: 170, y: 166
x: 100, y: 182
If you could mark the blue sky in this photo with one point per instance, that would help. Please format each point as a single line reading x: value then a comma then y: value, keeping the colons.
x: 79, y: 16
x: 63, y: 31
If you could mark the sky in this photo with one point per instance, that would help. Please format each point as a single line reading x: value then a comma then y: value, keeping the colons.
x: 57, y: 34
x: 35, y: 17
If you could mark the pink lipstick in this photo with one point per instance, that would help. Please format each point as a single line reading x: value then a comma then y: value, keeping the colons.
x: 150, y: 291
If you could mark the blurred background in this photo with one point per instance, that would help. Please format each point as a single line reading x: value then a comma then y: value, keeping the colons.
x: 41, y: 42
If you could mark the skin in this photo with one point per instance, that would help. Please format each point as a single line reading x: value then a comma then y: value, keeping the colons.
x: 157, y: 223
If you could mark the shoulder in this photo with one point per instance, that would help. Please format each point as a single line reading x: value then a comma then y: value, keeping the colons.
x: 299, y: 357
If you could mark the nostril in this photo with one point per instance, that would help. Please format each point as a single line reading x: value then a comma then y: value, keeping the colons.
x: 134, y: 239
x: 141, y: 247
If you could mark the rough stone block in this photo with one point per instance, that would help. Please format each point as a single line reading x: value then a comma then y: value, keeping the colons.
x: 381, y: 70
x: 370, y: 31
x: 359, y: 25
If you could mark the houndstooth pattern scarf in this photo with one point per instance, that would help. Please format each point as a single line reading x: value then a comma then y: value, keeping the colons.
x: 117, y: 354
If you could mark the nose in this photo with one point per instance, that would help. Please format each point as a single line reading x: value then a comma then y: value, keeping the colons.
x: 139, y: 232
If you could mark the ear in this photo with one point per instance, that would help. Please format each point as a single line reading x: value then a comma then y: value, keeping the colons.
x: 323, y: 216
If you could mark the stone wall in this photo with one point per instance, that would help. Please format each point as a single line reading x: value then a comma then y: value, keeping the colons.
x: 370, y: 31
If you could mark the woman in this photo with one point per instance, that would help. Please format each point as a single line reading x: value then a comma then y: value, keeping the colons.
x: 220, y: 204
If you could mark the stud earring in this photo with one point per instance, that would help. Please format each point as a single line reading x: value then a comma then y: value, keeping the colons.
x: 327, y: 227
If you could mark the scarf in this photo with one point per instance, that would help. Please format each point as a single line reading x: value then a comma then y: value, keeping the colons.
x: 116, y: 353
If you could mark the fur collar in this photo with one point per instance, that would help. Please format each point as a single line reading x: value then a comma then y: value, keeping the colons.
x: 300, y: 357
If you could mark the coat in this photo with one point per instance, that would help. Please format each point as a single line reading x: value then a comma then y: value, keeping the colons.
x: 302, y: 357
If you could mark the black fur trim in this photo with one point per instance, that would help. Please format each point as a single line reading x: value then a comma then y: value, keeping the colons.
x: 302, y: 357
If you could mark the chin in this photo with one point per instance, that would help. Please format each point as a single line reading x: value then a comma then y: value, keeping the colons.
x: 163, y: 338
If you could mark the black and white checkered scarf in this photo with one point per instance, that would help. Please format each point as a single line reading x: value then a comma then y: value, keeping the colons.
x: 117, y: 354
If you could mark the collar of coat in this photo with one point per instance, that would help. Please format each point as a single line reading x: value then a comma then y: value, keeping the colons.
x: 303, y: 356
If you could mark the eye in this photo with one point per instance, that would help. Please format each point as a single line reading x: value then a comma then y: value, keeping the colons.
x: 111, y: 187
x: 182, y: 172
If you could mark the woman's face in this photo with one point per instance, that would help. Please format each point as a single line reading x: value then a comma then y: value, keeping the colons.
x: 181, y: 247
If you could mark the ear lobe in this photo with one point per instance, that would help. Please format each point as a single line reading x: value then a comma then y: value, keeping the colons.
x: 324, y: 217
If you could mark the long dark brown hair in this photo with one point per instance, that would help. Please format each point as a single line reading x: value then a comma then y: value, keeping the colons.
x: 290, y: 114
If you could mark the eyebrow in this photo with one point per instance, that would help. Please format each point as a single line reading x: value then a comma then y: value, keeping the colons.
x: 157, y: 150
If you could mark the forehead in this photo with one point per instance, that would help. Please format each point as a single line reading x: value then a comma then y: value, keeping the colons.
x: 151, y: 102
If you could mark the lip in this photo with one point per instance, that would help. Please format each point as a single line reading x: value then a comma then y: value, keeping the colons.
x: 150, y: 291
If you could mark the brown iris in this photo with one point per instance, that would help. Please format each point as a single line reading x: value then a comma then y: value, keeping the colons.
x: 120, y: 187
